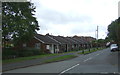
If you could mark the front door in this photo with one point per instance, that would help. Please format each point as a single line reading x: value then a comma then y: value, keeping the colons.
x: 54, y: 48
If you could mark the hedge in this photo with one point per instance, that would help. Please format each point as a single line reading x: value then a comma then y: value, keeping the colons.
x: 9, y: 53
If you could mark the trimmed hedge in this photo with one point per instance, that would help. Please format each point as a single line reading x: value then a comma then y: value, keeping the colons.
x: 9, y: 53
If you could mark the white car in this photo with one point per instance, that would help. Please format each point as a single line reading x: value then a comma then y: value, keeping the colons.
x: 113, y: 47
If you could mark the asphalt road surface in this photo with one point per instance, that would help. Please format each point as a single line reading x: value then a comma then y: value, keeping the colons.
x: 103, y: 61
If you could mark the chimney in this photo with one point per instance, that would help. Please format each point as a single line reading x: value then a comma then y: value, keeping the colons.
x: 47, y: 34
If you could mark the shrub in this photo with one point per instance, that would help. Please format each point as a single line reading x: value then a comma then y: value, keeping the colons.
x: 9, y: 53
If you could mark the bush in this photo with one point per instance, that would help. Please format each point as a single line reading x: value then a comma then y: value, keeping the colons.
x: 9, y: 53
x: 24, y: 53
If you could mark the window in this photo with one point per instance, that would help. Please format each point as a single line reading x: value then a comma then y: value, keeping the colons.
x: 37, y: 45
x: 24, y: 45
x: 47, y: 46
x: 72, y: 46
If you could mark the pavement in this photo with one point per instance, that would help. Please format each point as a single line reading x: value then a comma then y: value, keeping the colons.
x: 27, y: 63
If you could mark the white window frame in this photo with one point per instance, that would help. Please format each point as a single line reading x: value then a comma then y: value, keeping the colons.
x: 47, y: 46
x: 72, y: 46
x: 37, y: 45
x: 24, y: 45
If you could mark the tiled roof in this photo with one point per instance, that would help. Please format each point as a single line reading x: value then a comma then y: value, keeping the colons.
x: 85, y: 41
x: 82, y: 39
x: 71, y: 40
x: 78, y: 40
x: 60, y: 39
x: 46, y: 39
x: 50, y: 39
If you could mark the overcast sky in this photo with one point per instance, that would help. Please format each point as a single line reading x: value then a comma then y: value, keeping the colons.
x: 75, y: 17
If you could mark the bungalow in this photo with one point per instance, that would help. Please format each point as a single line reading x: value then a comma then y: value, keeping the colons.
x: 56, y: 44
x: 43, y: 43
x: 73, y: 43
x: 88, y: 44
x: 81, y: 43
x: 63, y: 44
x: 85, y: 44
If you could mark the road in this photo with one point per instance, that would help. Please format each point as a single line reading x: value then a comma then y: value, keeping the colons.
x: 102, y: 61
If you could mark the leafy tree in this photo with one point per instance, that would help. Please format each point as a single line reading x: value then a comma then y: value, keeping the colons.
x: 107, y: 39
x: 18, y: 22
x: 98, y: 43
x: 114, y: 31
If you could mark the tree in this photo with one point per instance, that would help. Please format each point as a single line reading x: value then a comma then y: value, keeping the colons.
x: 114, y: 29
x: 98, y: 43
x: 107, y: 39
x: 18, y: 22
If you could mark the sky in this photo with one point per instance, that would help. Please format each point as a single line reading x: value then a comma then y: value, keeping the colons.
x: 75, y: 17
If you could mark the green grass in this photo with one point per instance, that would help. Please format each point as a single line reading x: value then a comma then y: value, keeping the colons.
x: 26, y: 58
x: 85, y: 52
x: 35, y: 57
x: 20, y: 59
x: 60, y: 58
x: 68, y: 52
x: 39, y: 56
x: 91, y: 50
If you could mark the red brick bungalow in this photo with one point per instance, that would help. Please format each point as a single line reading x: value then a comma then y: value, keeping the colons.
x: 55, y: 44
x: 63, y: 44
x: 74, y: 45
x: 43, y: 43
x: 85, y: 44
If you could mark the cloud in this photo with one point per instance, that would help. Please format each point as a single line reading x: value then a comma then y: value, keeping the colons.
x: 75, y: 17
x: 51, y: 16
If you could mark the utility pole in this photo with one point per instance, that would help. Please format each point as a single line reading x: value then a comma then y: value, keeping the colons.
x: 97, y: 37
x: 97, y: 32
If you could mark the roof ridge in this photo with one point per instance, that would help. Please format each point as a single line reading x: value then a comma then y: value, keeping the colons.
x: 53, y: 39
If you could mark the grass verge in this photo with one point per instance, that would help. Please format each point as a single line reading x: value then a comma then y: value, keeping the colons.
x: 20, y: 59
x: 60, y: 58
x: 92, y: 50
x: 36, y: 57
x: 26, y: 58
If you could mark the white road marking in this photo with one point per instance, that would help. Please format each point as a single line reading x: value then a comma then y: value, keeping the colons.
x: 116, y: 73
x: 68, y: 69
x: 78, y: 64
x: 104, y: 72
x: 87, y: 59
x: 97, y: 54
